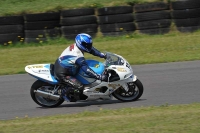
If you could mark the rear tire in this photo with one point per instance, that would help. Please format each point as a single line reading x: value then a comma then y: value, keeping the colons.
x: 44, y: 102
x: 134, y: 93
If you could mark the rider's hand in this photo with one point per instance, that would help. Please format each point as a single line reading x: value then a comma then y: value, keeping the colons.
x: 102, y: 55
x: 103, y: 77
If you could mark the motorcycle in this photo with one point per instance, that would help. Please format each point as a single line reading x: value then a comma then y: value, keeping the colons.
x: 47, y: 91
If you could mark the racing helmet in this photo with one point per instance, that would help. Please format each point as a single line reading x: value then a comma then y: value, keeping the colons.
x: 84, y: 42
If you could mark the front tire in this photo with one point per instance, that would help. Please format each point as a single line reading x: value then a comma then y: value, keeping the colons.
x: 44, y: 102
x: 135, y: 91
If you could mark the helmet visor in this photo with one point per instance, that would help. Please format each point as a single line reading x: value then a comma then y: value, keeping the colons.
x: 87, y: 46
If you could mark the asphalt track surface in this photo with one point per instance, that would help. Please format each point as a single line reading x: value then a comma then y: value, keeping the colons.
x: 165, y: 83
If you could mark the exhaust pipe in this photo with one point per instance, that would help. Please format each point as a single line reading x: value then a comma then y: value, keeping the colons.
x: 47, y: 95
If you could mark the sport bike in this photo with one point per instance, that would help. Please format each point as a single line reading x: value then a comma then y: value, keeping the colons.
x: 121, y: 83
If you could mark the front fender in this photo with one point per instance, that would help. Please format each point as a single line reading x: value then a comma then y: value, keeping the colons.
x: 134, y: 78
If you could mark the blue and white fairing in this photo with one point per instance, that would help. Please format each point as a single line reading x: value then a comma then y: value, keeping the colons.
x: 96, y: 66
x: 42, y: 72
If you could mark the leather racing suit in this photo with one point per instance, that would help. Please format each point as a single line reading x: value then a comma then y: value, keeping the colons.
x: 69, y: 62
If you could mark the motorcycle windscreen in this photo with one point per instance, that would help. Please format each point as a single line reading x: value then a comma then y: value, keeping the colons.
x: 96, y: 66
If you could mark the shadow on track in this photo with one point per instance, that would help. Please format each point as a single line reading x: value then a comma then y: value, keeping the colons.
x: 89, y: 103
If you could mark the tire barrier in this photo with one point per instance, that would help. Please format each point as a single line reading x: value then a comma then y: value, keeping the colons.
x: 154, y: 15
x: 75, y: 29
x: 116, y: 20
x: 117, y: 27
x: 42, y: 17
x: 72, y: 36
x: 77, y: 12
x: 188, y: 29
x: 114, y: 10
x: 91, y: 19
x: 11, y: 20
x: 157, y: 6
x: 150, y: 18
x: 11, y: 29
x: 10, y: 38
x: 76, y: 21
x: 5, y: 29
x: 186, y: 15
x: 153, y: 18
x: 161, y: 23
x: 111, y: 19
x: 39, y: 27
x: 185, y: 4
x: 42, y: 33
x: 35, y: 40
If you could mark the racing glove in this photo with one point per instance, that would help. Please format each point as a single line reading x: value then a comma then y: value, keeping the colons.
x: 102, y: 55
x: 103, y: 77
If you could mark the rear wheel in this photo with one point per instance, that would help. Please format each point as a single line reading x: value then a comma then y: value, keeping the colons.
x: 42, y: 101
x: 135, y: 91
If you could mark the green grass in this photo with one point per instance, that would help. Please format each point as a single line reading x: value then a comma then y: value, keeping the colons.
x: 137, y: 49
x: 161, y: 119
x: 17, y: 7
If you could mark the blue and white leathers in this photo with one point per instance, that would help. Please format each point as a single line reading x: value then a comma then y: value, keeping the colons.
x: 72, y: 59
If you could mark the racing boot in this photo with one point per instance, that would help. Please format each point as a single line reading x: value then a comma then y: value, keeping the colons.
x: 65, y: 94
x: 71, y: 94
x: 76, y: 94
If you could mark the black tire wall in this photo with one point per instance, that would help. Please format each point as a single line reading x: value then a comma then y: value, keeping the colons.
x: 41, y: 26
x: 149, y: 18
x: 186, y: 15
x: 116, y: 20
x: 153, y: 18
x: 11, y: 29
x: 156, y: 6
x: 75, y: 21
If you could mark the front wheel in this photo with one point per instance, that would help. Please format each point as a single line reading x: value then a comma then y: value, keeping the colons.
x: 135, y: 91
x: 42, y: 101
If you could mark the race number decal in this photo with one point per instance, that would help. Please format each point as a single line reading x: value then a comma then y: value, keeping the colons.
x: 71, y: 47
x: 127, y: 65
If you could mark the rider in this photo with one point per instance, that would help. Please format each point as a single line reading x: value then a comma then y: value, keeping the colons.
x: 72, y: 59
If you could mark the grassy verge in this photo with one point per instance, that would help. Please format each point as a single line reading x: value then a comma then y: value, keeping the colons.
x: 11, y: 7
x: 162, y: 119
x: 137, y: 49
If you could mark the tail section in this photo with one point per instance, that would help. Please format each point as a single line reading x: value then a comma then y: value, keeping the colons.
x: 42, y: 72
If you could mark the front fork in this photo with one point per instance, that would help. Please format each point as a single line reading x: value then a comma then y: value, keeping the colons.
x: 125, y: 86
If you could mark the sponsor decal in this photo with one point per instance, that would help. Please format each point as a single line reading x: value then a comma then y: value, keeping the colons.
x: 97, y: 89
x: 127, y: 65
x: 114, y: 86
x: 43, y: 71
x: 96, y: 66
x: 121, y: 69
x: 37, y: 66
